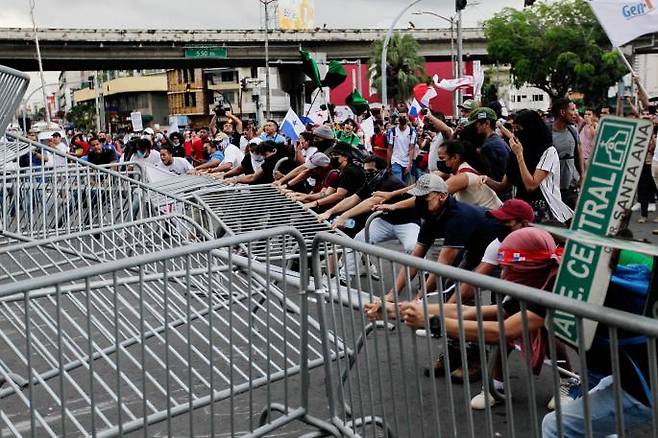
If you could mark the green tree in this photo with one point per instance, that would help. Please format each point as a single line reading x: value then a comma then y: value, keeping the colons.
x: 404, y: 60
x: 557, y: 47
x: 82, y: 115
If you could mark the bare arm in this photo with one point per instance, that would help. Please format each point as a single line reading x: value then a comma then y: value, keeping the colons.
x: 513, y: 328
x: 530, y: 181
x: 440, y: 126
x: 498, y: 187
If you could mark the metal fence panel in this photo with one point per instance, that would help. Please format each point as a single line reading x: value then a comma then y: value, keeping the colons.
x: 379, y: 387
x: 13, y: 85
x: 186, y: 341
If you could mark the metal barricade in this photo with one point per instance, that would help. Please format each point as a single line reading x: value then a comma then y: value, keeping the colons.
x: 191, y: 340
x: 38, y: 201
x: 240, y: 209
x: 13, y: 85
x: 379, y: 385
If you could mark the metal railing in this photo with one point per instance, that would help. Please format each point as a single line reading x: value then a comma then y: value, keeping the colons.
x: 74, y: 195
x: 380, y: 388
x: 13, y: 85
x: 188, y: 340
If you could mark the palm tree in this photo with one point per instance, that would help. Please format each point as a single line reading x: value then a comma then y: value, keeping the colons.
x: 404, y: 63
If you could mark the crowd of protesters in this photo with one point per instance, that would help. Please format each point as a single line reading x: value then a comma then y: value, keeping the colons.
x: 476, y: 183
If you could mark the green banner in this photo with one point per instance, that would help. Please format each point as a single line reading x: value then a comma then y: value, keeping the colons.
x: 607, y: 193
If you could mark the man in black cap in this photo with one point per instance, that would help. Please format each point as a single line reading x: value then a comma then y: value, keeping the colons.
x: 350, y: 181
x: 323, y: 139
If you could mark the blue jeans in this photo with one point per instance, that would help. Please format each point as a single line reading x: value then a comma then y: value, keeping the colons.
x: 602, y: 409
x: 398, y: 171
x: 382, y: 231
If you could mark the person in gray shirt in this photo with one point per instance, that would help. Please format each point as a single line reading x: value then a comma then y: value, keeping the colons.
x: 565, y: 141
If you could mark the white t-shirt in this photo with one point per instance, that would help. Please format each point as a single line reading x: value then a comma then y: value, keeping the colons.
x: 233, y: 155
x: 152, y: 160
x: 58, y: 160
x: 179, y: 166
x: 243, y: 144
x: 550, y: 186
x: 436, y: 143
x: 476, y: 192
x: 491, y: 253
x: 401, y: 142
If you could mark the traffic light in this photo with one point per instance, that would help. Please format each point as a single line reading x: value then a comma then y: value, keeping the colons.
x: 527, y: 3
x: 460, y: 4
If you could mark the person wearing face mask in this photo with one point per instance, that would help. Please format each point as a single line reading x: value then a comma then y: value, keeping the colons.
x: 350, y: 181
x: 464, y: 165
x: 534, y: 169
x: 144, y: 154
x: 249, y: 164
x: 322, y: 139
x: 530, y: 257
x: 462, y: 226
x: 402, y: 226
x: 271, y: 153
x: 402, y: 147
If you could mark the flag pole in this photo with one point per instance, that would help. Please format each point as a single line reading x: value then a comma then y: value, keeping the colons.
x: 630, y: 68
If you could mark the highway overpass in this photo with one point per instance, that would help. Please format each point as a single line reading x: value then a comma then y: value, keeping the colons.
x: 90, y: 49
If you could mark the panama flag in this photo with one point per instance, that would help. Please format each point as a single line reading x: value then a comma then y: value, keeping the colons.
x: 423, y: 93
x: 414, y: 110
x: 625, y: 20
x: 292, y: 126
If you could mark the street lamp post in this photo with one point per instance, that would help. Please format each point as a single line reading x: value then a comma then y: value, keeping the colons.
x: 385, y: 50
x: 43, y: 81
x: 266, y: 3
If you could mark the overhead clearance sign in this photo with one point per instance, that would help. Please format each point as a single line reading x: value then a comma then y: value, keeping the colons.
x: 607, y: 193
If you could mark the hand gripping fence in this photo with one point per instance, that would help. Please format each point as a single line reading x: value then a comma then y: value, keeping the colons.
x: 376, y: 384
x: 182, y: 338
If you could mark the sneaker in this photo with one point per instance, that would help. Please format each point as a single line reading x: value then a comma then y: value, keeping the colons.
x: 655, y: 231
x: 422, y: 333
x: 565, y: 389
x: 642, y: 220
x: 374, y: 272
x: 655, y: 220
x: 478, y: 402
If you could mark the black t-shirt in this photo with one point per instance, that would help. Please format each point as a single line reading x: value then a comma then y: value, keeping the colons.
x: 460, y: 225
x: 106, y: 156
x: 269, y: 164
x: 351, y: 179
x: 514, y: 176
x: 391, y: 183
x: 247, y: 167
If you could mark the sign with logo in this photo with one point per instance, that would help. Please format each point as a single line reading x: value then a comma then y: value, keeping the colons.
x: 625, y: 20
x: 607, y: 193
x: 296, y: 14
x: 206, y: 52
x: 136, y: 119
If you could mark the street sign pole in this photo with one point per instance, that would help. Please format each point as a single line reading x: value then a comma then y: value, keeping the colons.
x: 606, y: 196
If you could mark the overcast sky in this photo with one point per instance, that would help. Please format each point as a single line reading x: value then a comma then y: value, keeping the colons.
x: 228, y: 14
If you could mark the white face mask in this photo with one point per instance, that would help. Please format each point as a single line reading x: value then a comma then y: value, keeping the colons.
x: 257, y: 158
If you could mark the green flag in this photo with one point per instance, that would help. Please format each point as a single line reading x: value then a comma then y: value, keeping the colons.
x: 335, y: 76
x: 357, y: 103
x: 310, y: 68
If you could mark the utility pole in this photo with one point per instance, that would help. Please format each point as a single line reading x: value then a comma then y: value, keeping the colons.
x: 266, y: 3
x: 98, y: 103
x: 460, y: 51
x: 46, y: 107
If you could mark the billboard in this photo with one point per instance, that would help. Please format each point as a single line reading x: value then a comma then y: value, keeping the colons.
x: 296, y: 14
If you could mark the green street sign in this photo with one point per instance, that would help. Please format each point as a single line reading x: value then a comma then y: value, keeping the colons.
x: 608, y: 191
x: 206, y: 52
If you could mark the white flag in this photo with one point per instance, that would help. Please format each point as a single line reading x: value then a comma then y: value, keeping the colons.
x: 625, y: 20
x: 454, y: 84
